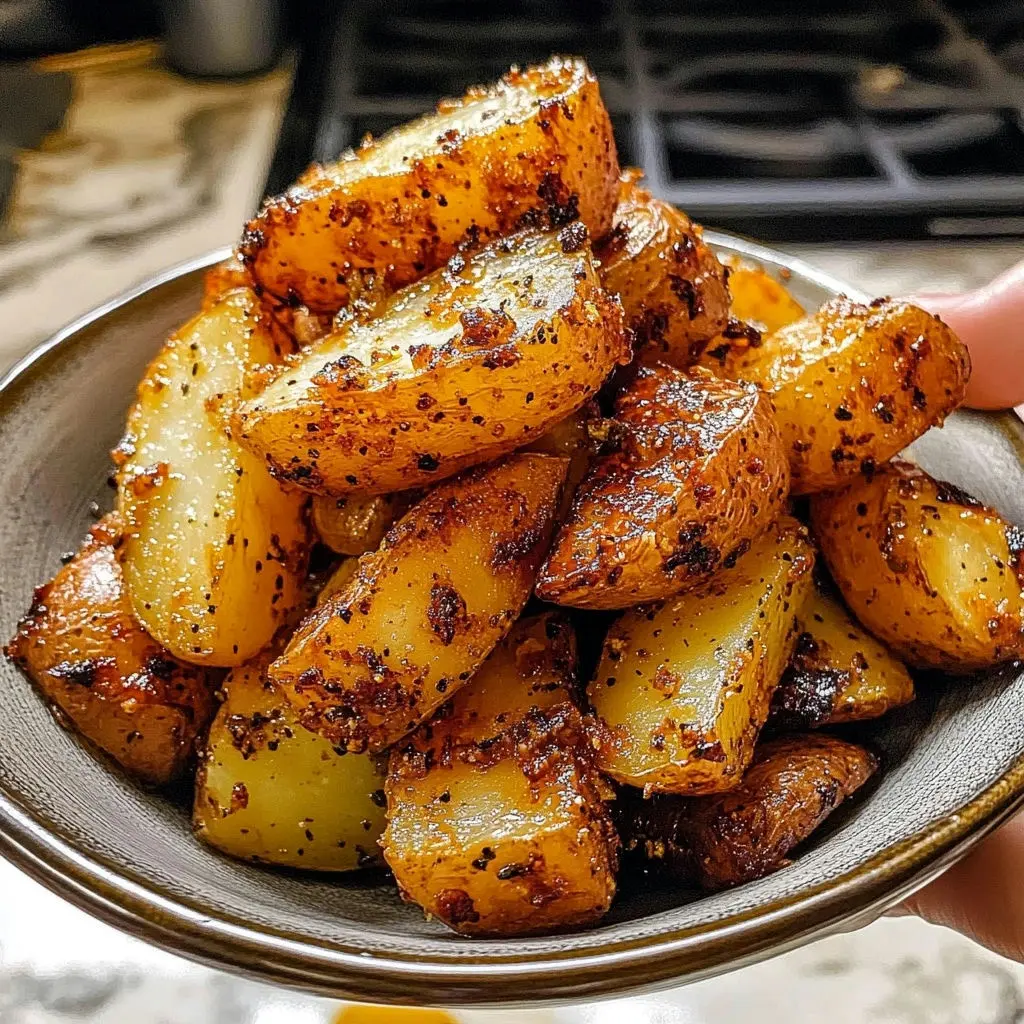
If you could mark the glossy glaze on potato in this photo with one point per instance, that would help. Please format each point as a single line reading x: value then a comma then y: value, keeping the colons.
x: 719, y: 841
x: 933, y: 573
x: 683, y: 687
x: 497, y: 822
x: 472, y: 362
x: 838, y: 673
x: 695, y: 471
x: 671, y: 284
x: 272, y: 792
x: 352, y: 526
x: 535, y: 149
x: 82, y: 646
x: 853, y: 385
x: 421, y: 613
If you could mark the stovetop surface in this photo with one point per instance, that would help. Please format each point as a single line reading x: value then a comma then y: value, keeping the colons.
x: 782, y: 119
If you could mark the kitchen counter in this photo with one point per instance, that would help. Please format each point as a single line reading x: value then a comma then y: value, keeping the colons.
x: 142, y: 170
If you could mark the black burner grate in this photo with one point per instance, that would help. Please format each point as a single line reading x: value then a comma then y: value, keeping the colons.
x: 782, y: 119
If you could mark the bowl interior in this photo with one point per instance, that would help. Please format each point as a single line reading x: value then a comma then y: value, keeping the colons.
x: 59, y: 418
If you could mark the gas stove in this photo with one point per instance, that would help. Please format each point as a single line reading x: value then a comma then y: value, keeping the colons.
x: 780, y: 119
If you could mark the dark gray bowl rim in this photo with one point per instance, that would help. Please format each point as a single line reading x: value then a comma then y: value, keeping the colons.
x: 671, y: 957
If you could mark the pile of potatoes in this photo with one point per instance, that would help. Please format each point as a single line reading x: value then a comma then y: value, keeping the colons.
x: 491, y: 389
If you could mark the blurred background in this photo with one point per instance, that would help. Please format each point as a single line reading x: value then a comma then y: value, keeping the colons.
x: 882, y: 141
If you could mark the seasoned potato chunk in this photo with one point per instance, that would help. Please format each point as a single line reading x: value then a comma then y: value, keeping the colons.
x: 758, y: 299
x: 570, y: 438
x: 838, y: 672
x: 353, y: 526
x: 271, y: 791
x: 472, y: 362
x: 82, y: 646
x: 853, y: 385
x: 421, y: 613
x: 214, y: 550
x: 671, y: 284
x: 929, y: 570
x: 683, y: 687
x: 696, y: 470
x: 534, y: 149
x: 793, y: 785
x: 497, y: 823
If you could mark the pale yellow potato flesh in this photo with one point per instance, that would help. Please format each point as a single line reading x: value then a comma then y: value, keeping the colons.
x: 423, y: 611
x: 214, y: 549
x: 473, y: 362
x: 683, y: 687
x: 507, y: 832
x: 270, y: 791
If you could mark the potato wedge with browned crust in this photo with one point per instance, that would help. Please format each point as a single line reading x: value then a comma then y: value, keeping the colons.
x: 214, y: 549
x: 355, y: 525
x: 932, y: 572
x: 82, y: 646
x: 421, y: 613
x: 671, y: 284
x: 838, y: 672
x: 853, y: 385
x: 497, y: 822
x: 476, y: 360
x: 534, y: 149
x: 684, y: 687
x: 695, y: 471
x: 792, y: 786
x: 273, y: 792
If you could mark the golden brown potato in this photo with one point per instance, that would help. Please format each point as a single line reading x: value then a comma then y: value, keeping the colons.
x: 422, y: 612
x: 792, y: 786
x: 853, y: 385
x: 683, y: 687
x: 758, y: 299
x: 82, y: 646
x: 671, y: 284
x: 570, y: 438
x: 497, y: 823
x: 838, y: 672
x: 214, y: 550
x: 932, y: 572
x: 353, y: 526
x: 536, y: 149
x: 476, y: 360
x: 696, y: 471
x: 272, y: 792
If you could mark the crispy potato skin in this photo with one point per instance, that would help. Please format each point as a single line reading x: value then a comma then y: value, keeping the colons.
x: 853, y: 385
x: 214, y: 550
x: 683, y: 687
x: 353, y: 526
x: 472, y: 362
x: 838, y: 672
x: 421, y: 613
x: 535, y: 149
x: 933, y: 573
x: 719, y: 841
x: 272, y: 792
x: 82, y: 646
x: 697, y: 470
x: 497, y: 821
x: 671, y: 284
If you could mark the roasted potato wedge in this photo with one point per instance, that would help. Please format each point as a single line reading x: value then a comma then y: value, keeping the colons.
x: 83, y: 648
x: 422, y: 612
x: 570, y: 438
x: 853, y: 385
x: 683, y: 687
x: 353, y: 526
x: 758, y: 299
x: 271, y: 791
x: 792, y: 786
x: 838, y: 672
x: 214, y: 549
x: 932, y: 572
x: 671, y: 284
x: 535, y: 149
x: 474, y: 361
x: 696, y: 471
x: 497, y: 822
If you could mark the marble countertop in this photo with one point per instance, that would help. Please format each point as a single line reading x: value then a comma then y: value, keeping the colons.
x: 143, y: 170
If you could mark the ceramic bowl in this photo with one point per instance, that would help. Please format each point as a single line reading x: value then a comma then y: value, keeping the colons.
x: 953, y: 765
